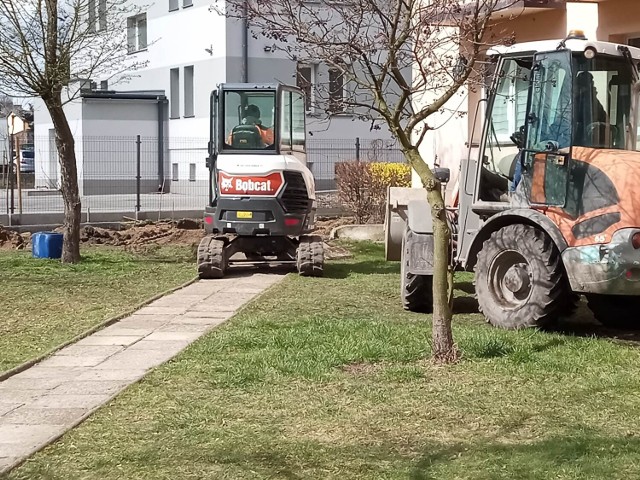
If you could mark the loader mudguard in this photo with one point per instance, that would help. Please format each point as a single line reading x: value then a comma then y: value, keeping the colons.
x: 419, y: 216
x: 526, y: 216
x: 419, y: 253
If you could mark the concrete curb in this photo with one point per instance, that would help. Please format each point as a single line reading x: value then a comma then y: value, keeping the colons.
x: 30, y: 363
x: 371, y: 232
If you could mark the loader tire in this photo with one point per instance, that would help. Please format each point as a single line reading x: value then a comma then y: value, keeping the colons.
x: 310, y: 256
x: 212, y: 262
x: 519, y: 279
x: 615, y: 311
x: 416, y: 291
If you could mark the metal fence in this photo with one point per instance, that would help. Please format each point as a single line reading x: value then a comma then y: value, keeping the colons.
x: 127, y: 174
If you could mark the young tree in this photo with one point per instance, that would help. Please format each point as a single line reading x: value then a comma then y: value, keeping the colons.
x: 45, y: 45
x: 401, y: 61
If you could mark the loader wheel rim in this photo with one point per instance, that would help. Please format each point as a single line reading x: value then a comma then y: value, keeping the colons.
x: 510, y: 279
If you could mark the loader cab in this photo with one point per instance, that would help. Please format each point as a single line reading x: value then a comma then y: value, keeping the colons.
x: 543, y: 104
x: 257, y: 119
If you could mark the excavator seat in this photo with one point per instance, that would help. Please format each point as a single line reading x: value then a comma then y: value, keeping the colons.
x: 246, y: 137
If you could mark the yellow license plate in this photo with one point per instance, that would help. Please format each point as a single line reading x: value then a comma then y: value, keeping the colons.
x: 244, y: 214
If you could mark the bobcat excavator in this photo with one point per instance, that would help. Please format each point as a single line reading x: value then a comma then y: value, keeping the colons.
x: 549, y: 204
x: 262, y: 204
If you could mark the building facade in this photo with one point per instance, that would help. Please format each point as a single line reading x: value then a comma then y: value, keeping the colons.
x: 188, y: 50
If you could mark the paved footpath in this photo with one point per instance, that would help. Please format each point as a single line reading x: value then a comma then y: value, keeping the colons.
x: 38, y: 405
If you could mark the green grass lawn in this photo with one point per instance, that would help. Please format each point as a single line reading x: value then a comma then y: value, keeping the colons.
x: 44, y: 303
x: 329, y: 379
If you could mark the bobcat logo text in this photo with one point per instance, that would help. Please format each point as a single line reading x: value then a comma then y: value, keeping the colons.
x: 250, y: 185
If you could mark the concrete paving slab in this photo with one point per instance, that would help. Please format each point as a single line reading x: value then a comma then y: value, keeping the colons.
x: 44, y: 416
x: 185, y: 327
x: 140, y: 359
x: 18, y: 383
x: 130, y: 374
x: 229, y: 305
x: 19, y: 396
x: 98, y: 387
x: 74, y: 361
x: 49, y: 373
x: 86, y: 402
x: 211, y: 313
x: 174, y: 335
x: 162, y: 310
x: 6, y: 408
x: 130, y: 328
x: 24, y: 434
x: 124, y: 340
x: 160, y: 345
x: 91, y: 350
x: 157, y: 319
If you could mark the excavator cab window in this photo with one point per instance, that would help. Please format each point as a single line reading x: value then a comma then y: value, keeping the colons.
x: 249, y: 119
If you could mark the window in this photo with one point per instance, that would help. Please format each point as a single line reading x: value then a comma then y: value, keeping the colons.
x: 187, y: 3
x: 174, y: 92
x: 248, y: 120
x: 137, y: 33
x: 192, y: 172
x: 175, y: 169
x: 97, y: 10
x: 305, y: 79
x: 104, y: 85
x: 336, y: 91
x: 188, y: 91
x: 292, y: 134
x: 173, y: 5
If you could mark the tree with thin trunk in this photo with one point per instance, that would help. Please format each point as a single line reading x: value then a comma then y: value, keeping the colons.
x: 394, y: 63
x: 50, y: 49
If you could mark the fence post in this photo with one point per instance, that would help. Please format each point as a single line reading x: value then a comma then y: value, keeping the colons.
x: 138, y: 142
x: 357, y: 149
x: 11, y: 173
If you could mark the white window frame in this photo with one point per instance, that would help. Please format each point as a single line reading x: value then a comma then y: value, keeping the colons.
x: 189, y: 91
x: 313, y: 67
x: 136, y: 36
x: 174, y: 93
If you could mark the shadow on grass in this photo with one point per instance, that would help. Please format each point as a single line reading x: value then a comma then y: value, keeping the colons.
x: 580, y: 453
x: 374, y: 267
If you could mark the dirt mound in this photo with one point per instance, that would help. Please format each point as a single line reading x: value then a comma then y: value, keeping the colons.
x: 162, y: 233
x: 324, y: 226
x: 10, y: 240
x: 182, y: 232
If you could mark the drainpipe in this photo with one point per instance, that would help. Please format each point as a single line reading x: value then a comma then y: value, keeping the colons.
x: 245, y: 43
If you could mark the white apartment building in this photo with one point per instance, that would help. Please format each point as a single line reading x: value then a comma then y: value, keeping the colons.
x: 188, y: 50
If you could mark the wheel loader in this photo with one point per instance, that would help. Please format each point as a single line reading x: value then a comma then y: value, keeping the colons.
x: 262, y: 202
x: 549, y: 203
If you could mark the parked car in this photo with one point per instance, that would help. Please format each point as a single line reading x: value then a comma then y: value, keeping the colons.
x: 27, y: 158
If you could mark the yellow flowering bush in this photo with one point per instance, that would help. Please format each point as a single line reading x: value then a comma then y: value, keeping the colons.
x: 362, y: 186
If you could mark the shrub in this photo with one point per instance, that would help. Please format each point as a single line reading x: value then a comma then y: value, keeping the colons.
x: 362, y: 186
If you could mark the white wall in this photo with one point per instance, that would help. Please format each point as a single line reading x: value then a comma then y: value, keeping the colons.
x: 47, y: 169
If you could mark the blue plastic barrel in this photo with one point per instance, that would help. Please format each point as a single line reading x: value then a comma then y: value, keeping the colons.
x: 47, y: 245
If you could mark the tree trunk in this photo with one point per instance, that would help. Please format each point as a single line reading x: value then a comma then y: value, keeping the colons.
x: 69, y: 173
x: 444, y: 350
